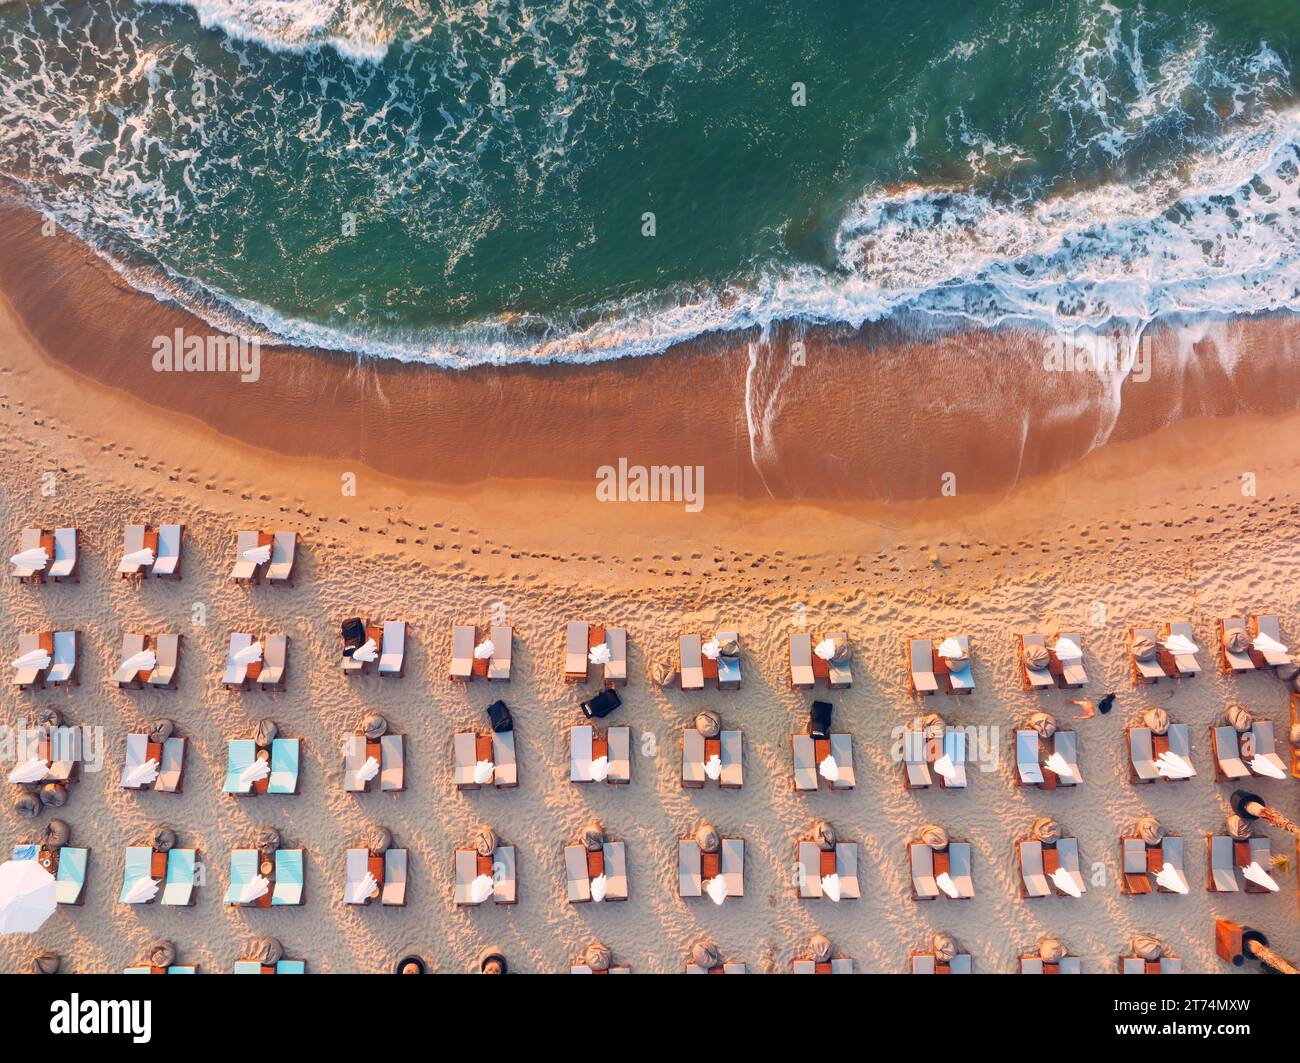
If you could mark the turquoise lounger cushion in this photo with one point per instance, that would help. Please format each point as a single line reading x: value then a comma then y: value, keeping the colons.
x: 240, y: 753
x: 26, y: 852
x: 284, y: 766
x: 139, y: 861
x: 288, y: 877
x: 71, y: 877
x: 291, y: 967
x: 247, y: 967
x: 243, y: 869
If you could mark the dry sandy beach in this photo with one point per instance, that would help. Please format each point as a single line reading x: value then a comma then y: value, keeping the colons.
x: 477, y: 488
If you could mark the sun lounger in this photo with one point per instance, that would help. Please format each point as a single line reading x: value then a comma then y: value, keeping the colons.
x: 287, y: 887
x: 1271, y: 627
x: 1148, y: 671
x: 1141, y: 864
x: 1265, y: 746
x: 960, y: 680
x: 392, y: 770
x: 1233, y: 662
x: 357, y: 866
x: 1067, y: 854
x: 812, y: 869
x: 178, y: 886
x: 137, y: 747
x: 279, y: 967
x: 1137, y: 965
x: 733, y: 770
x: 240, y: 754
x: 132, y: 543
x: 916, y: 763
x: 171, y: 771
x: 1033, y: 879
x: 167, y: 651
x: 583, y: 745
x: 921, y: 858
x: 244, y: 570
x: 692, y: 662
x: 839, y: 674
x: 167, y: 558
x: 283, y: 549
x: 63, y: 669
x: 728, y: 667
x: 954, y: 748
x: 920, y: 655
x: 28, y: 677
x: 394, y: 892
x: 137, y: 866
x: 1223, y: 872
x: 70, y: 878
x: 64, y: 565
x: 236, y: 674
x: 1227, y: 754
x: 503, y: 641
x: 616, y: 666
x: 1142, y: 759
x: 1066, y: 744
x: 1185, y: 665
x: 392, y: 656
x: 462, y: 653
x: 132, y: 644
x: 575, y: 652
x: 28, y: 539
x: 801, y: 669
x: 1227, y: 857
x: 354, y: 759
x: 275, y: 659
x: 1028, y: 770
x: 1072, y: 670
x: 285, y: 756
x: 808, y: 754
x: 1034, y: 679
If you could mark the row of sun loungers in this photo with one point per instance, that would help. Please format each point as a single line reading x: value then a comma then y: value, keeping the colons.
x: 931, y: 666
x: 713, y: 868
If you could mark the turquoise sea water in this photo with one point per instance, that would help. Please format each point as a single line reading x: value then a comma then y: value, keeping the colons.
x: 1070, y: 162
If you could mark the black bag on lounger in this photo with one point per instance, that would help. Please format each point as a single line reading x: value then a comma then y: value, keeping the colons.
x: 500, y: 716
x: 602, y: 704
x: 819, y: 719
x: 354, y: 635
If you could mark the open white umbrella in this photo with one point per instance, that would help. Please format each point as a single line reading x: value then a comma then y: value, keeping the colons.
x: 260, y: 886
x: 368, y: 770
x: 831, y: 887
x: 142, y: 891
x: 138, y: 557
x: 484, y: 650
x: 366, y: 652
x: 1056, y: 763
x: 945, y: 767
x: 258, y: 555
x: 1065, y: 883
x: 26, y: 896
x: 1068, y: 650
x: 599, y: 887
x: 713, y: 767
x: 33, y: 770
x: 363, y: 890
x: 250, y: 653
x: 1264, y: 766
x: 828, y: 769
x: 33, y: 659
x: 1170, y: 879
x: 483, y: 772
x: 600, y: 654
x: 599, y: 769
x: 33, y: 560
x: 712, y: 649
x: 142, y: 774
x: 1258, y: 875
x: 716, y: 888
x: 144, y: 661
x: 259, y: 769
x: 944, y: 882
x: 825, y: 649
x: 1180, y: 645
x: 1172, y: 766
x: 481, y: 889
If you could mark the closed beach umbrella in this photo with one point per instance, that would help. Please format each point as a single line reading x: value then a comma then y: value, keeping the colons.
x: 1144, y: 648
x: 1157, y: 720
x: 1148, y: 947
x: 55, y: 834
x: 144, y: 661
x: 1236, y: 640
x: 663, y: 674
x: 1036, y: 657
x: 708, y: 723
x: 1239, y: 718
x: 379, y: 840
x: 1051, y: 951
x: 1150, y: 830
x: 26, y: 896
x: 161, y: 730
x: 29, y: 771
x: 163, y: 954
x: 267, y: 732
x: 593, y: 837
x: 268, y: 951
x: 1044, y: 723
x: 46, y: 963
x: 485, y: 841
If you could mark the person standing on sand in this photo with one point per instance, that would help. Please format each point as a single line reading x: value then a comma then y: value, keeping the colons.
x: 1090, y: 710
